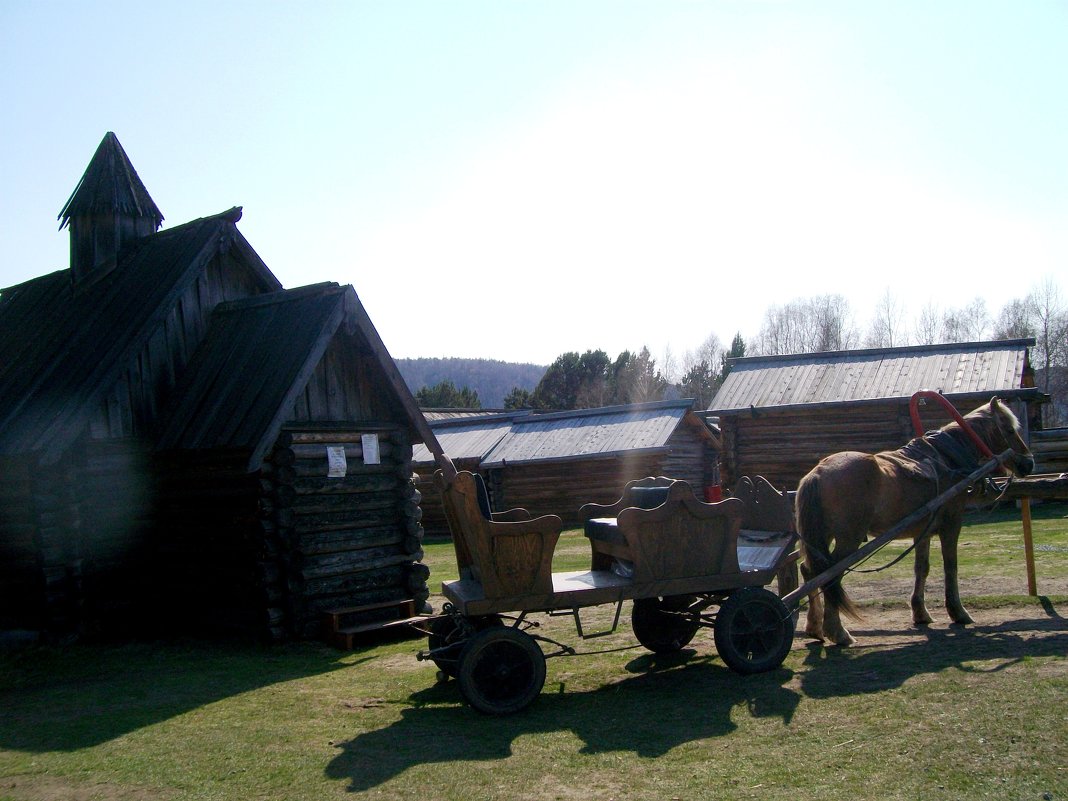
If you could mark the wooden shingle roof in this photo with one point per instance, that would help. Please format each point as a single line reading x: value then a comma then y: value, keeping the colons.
x: 959, y: 370
x: 65, y: 346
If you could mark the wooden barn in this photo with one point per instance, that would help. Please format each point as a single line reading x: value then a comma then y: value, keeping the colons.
x: 185, y: 443
x: 554, y: 463
x: 779, y: 415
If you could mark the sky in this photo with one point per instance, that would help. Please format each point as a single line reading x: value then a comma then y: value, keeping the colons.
x: 513, y: 180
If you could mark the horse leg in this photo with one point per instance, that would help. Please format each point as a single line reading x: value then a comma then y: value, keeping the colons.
x: 949, y: 534
x: 814, y: 617
x: 833, y: 628
x: 920, y: 615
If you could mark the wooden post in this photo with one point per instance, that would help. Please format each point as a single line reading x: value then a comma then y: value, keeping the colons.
x: 1029, y: 546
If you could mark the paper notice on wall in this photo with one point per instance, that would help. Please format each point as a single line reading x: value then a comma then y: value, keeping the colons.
x: 370, y: 449
x: 336, y: 464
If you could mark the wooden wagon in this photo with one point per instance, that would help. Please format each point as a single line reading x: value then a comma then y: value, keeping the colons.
x: 685, y: 564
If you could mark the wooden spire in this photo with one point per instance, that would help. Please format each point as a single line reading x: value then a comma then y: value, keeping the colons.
x: 108, y: 208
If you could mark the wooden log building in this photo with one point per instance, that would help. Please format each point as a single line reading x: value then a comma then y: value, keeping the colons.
x: 554, y: 463
x: 779, y: 415
x: 185, y: 443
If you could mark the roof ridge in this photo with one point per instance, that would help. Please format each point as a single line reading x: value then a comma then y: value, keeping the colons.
x: 940, y: 347
x: 283, y: 296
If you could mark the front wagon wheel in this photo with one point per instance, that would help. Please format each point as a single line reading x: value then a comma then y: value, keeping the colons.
x: 502, y: 670
x: 754, y: 630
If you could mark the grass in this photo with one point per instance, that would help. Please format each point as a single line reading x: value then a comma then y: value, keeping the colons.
x: 950, y: 713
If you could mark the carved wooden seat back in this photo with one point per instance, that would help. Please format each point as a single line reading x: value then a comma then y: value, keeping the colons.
x: 508, y: 553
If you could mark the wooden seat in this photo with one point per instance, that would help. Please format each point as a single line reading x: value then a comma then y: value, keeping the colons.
x: 768, y: 521
x: 677, y: 537
x: 508, y: 553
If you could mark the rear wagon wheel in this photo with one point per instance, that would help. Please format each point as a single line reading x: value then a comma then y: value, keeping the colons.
x: 662, y: 624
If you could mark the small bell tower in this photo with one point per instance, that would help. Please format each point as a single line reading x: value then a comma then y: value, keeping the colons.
x: 109, y: 208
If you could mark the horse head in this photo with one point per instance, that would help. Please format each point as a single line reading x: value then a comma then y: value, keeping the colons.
x: 998, y: 427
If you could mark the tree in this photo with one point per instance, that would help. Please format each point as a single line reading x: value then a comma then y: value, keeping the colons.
x: 1015, y: 320
x: 810, y: 325
x: 573, y: 381
x: 966, y: 324
x: 737, y: 351
x: 929, y: 325
x: 517, y: 399
x: 887, y: 326
x: 699, y: 383
x: 1051, y: 329
x: 444, y: 395
x: 633, y: 378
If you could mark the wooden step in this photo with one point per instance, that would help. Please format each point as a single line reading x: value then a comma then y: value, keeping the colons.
x: 343, y: 627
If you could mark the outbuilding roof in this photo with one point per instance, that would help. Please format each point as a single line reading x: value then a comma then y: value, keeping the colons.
x: 963, y: 369
x: 467, y: 437
x: 591, y: 433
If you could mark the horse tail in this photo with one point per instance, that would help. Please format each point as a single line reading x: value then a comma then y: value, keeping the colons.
x: 812, y: 530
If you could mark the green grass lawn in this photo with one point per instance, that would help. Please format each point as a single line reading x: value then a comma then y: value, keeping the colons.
x: 976, y: 712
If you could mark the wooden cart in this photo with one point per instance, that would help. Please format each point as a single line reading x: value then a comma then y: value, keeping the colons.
x: 685, y: 565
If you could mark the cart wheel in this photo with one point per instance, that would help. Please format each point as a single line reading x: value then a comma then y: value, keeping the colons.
x: 450, y: 634
x: 661, y: 625
x: 501, y: 670
x: 754, y: 630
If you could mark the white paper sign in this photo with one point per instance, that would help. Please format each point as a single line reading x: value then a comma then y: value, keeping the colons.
x: 336, y: 463
x: 370, y: 449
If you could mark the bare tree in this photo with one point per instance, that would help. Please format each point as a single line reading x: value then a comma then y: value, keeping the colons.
x: 808, y: 325
x: 928, y: 325
x: 1015, y: 320
x: 1051, y: 328
x: 887, y: 327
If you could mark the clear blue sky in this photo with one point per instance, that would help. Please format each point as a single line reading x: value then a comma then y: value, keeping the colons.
x: 513, y: 180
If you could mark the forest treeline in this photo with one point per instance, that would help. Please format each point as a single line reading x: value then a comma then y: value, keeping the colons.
x: 803, y: 325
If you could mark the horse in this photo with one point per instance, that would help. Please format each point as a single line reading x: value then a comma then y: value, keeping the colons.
x: 850, y: 495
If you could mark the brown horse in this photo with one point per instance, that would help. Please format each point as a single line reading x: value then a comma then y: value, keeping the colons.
x: 849, y: 495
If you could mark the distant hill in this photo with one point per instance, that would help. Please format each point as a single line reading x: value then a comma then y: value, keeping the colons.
x: 491, y: 379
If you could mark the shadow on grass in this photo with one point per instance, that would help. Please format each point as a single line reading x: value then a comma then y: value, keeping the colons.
x: 834, y: 672
x: 669, y: 701
x: 73, y: 697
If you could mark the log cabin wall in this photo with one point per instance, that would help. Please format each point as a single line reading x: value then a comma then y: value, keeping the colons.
x: 116, y: 491
x: 784, y: 443
x: 349, y: 539
x: 691, y: 458
x: 216, y: 547
x: 22, y: 561
x: 1050, y: 448
x: 560, y: 488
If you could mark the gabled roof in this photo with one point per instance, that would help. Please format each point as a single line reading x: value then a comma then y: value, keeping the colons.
x: 957, y: 370
x: 64, y: 347
x: 259, y: 353
x: 592, y: 433
x: 110, y: 185
x: 467, y: 437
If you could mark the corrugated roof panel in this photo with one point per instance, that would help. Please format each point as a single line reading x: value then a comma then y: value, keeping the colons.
x: 964, y: 368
